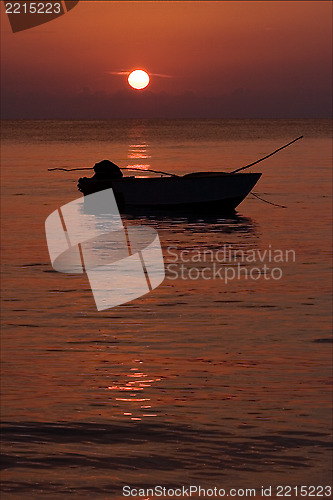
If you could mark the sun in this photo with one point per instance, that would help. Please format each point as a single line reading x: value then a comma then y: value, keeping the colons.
x: 138, y: 79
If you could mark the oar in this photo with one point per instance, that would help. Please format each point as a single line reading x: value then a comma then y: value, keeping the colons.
x: 121, y: 168
x: 264, y: 158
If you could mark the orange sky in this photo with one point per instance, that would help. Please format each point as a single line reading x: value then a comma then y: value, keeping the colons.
x: 210, y: 48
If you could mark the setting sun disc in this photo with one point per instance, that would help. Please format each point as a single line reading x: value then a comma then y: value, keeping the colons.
x: 138, y: 79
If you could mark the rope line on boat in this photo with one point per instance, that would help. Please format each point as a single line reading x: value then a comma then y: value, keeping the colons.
x: 149, y: 170
x: 70, y: 169
x: 121, y: 168
x: 266, y: 201
x: 264, y: 158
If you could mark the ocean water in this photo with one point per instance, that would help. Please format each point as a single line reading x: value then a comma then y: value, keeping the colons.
x: 211, y: 382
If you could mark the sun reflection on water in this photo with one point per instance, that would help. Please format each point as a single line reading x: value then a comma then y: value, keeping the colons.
x: 139, y: 152
x: 130, y: 395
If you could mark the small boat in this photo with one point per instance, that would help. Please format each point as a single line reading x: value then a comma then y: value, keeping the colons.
x: 213, y: 192
x: 198, y: 191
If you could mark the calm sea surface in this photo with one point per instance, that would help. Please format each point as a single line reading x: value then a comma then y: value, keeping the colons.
x: 200, y: 382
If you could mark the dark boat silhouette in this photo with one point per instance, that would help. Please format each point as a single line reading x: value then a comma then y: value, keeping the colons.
x: 209, y: 192
x: 198, y: 191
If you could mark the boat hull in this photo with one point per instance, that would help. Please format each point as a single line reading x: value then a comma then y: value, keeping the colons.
x: 201, y: 193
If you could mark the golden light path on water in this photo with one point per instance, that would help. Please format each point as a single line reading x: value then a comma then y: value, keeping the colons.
x: 131, y: 388
x: 138, y: 152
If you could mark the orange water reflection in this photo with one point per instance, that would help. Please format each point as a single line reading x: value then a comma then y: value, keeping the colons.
x: 138, y: 152
x: 133, y: 403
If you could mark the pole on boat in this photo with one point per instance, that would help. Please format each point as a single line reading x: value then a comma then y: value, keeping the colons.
x: 264, y: 158
x: 70, y: 169
x: 149, y: 170
x: 121, y: 168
